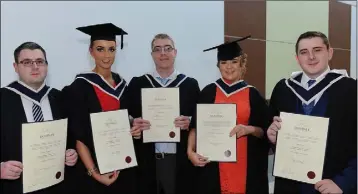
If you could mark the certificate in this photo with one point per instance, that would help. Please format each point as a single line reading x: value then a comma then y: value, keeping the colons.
x: 43, y: 154
x: 214, y: 124
x: 161, y: 106
x: 301, y: 147
x: 113, y: 141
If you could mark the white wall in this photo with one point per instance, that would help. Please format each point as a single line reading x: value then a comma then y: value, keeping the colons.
x: 351, y: 2
x: 194, y: 26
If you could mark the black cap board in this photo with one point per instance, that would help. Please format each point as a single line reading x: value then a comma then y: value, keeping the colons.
x: 228, y: 50
x: 106, y: 31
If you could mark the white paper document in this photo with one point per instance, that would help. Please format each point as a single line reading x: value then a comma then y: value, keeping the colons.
x: 43, y: 154
x: 301, y: 147
x: 214, y: 124
x: 113, y: 141
x: 161, y: 106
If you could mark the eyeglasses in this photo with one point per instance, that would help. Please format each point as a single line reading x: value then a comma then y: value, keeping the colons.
x: 30, y: 63
x: 166, y: 49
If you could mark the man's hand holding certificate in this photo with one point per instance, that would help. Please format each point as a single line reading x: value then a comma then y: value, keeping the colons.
x: 43, y: 152
x: 160, y: 106
x: 113, y: 141
x: 300, y: 147
x: 214, y: 124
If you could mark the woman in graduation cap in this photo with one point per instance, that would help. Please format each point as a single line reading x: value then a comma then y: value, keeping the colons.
x: 100, y: 90
x: 249, y: 174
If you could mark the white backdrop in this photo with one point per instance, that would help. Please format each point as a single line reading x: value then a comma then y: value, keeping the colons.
x: 194, y: 26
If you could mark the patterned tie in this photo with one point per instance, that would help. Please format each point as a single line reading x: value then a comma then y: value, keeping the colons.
x: 37, y: 113
x: 307, y: 109
x: 163, y: 80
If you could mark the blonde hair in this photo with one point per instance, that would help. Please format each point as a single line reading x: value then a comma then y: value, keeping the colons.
x: 243, y: 59
x: 162, y: 36
x: 243, y: 62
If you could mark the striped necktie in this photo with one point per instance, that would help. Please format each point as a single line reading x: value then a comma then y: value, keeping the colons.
x: 37, y: 113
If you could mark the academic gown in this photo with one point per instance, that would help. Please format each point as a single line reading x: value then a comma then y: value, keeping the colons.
x: 185, y: 171
x: 90, y: 93
x: 338, y: 103
x: 12, y: 118
x: 249, y: 174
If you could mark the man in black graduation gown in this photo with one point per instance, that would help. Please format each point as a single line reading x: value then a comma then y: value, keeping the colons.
x: 164, y: 167
x: 319, y: 91
x: 27, y: 100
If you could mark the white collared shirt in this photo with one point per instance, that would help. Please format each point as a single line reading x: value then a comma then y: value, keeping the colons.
x: 172, y: 76
x: 165, y: 147
x: 305, y: 79
x: 28, y: 103
x: 45, y: 107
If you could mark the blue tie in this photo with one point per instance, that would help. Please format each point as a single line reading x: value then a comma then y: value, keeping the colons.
x: 163, y: 80
x: 307, y: 109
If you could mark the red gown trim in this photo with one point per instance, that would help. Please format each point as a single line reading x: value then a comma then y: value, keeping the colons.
x: 108, y: 103
x: 233, y: 175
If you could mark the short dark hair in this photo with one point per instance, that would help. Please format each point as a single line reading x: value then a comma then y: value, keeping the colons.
x: 312, y: 34
x: 27, y: 45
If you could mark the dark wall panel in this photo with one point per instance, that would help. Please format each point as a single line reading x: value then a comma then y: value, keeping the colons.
x: 340, y: 34
x: 249, y: 18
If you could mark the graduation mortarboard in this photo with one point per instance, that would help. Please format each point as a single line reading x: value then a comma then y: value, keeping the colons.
x: 228, y: 50
x: 106, y: 31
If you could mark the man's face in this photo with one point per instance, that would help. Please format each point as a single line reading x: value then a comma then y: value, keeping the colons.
x: 31, y: 67
x: 313, y: 56
x: 163, y: 53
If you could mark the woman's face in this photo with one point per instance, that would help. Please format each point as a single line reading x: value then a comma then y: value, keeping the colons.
x: 103, y: 52
x: 232, y: 70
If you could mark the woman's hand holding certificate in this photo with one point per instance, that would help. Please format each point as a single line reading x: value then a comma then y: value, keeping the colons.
x: 214, y: 124
x: 113, y: 140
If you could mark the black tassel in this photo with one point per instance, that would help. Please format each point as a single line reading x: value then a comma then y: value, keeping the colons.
x: 121, y: 41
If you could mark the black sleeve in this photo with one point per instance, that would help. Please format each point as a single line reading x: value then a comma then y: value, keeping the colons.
x: 259, y: 110
x: 194, y: 97
x: 259, y: 117
x: 78, y: 115
x: 71, y: 141
x: 124, y: 100
x: 2, y: 128
x: 133, y: 94
x: 134, y: 104
x: 352, y: 114
x: 275, y: 100
x: 274, y: 109
x: 206, y: 96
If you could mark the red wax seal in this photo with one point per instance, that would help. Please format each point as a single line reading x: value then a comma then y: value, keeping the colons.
x: 172, y: 134
x: 128, y: 159
x: 58, y: 175
x: 311, y: 175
